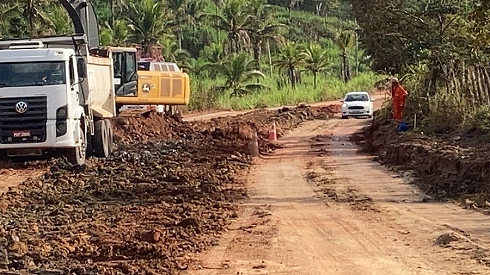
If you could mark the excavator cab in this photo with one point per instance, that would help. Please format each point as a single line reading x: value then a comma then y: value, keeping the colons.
x: 125, y: 71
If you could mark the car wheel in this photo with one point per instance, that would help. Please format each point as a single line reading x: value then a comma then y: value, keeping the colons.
x: 345, y: 117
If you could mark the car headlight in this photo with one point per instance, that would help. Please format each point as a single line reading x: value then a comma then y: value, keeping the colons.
x: 344, y: 105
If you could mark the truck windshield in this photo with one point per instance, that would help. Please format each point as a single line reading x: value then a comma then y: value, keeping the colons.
x: 32, y: 74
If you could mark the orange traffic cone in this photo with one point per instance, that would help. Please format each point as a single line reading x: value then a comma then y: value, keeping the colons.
x: 273, y: 132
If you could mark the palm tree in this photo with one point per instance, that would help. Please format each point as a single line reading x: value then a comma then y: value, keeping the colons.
x: 120, y: 33
x: 316, y: 60
x: 172, y: 53
x: 212, y: 55
x: 290, y: 59
x: 263, y: 32
x: 345, y: 41
x: 115, y: 37
x: 180, y: 17
x: 7, y: 14
x: 236, y: 20
x: 193, y: 10
x: 240, y: 73
x: 31, y: 12
x: 61, y: 21
x: 147, y: 22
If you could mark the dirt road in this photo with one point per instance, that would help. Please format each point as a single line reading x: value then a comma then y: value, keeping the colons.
x: 12, y: 174
x: 319, y: 207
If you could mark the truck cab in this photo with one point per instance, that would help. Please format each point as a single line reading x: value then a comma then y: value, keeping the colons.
x: 40, y: 102
x: 55, y: 99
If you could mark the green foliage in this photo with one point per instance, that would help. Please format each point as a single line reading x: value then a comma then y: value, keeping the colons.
x: 146, y: 22
x: 316, y: 60
x: 239, y: 72
x: 289, y: 60
x: 329, y: 88
x: 397, y: 34
x: 226, y: 45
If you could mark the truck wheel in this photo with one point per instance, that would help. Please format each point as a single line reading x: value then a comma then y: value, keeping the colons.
x: 110, y: 135
x: 101, y: 139
x: 90, y: 147
x: 77, y: 155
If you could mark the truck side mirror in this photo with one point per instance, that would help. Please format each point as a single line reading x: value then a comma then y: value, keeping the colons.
x: 82, y: 68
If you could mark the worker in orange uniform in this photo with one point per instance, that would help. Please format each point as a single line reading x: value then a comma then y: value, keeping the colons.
x: 399, y: 97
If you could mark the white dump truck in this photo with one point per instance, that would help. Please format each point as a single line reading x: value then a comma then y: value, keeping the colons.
x: 55, y: 97
x: 57, y: 94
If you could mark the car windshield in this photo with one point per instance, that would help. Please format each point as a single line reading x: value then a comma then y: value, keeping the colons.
x: 32, y: 74
x: 356, y: 97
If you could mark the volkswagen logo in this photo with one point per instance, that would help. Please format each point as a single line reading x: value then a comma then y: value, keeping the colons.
x: 21, y: 107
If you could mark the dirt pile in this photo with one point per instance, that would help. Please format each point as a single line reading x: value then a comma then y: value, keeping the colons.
x: 167, y: 192
x: 445, y: 166
x: 235, y: 130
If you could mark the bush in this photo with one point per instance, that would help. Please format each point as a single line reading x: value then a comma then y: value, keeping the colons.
x: 328, y: 88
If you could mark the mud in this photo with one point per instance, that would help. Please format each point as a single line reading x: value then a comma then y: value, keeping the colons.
x: 167, y: 192
x: 444, y: 166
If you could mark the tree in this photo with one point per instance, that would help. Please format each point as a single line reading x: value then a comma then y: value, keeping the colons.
x: 172, y: 53
x: 120, y: 33
x: 7, y: 15
x: 345, y: 41
x: 236, y: 20
x: 290, y: 59
x: 212, y: 55
x: 263, y: 31
x: 240, y: 72
x: 316, y: 60
x: 116, y: 36
x: 31, y: 12
x: 180, y: 17
x: 60, y: 20
x: 146, y: 22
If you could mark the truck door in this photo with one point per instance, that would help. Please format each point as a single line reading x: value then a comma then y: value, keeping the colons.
x: 76, y: 97
x: 125, y: 73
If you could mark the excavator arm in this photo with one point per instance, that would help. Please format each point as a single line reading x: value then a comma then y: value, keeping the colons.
x: 84, y: 20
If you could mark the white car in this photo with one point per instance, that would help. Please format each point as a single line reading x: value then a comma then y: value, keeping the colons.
x: 357, y: 104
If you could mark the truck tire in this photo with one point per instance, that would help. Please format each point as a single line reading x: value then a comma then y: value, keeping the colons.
x: 110, y: 136
x: 101, y: 139
x: 90, y: 147
x: 78, y: 155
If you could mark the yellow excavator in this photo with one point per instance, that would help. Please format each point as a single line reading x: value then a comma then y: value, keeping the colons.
x: 136, y: 82
x: 162, y: 84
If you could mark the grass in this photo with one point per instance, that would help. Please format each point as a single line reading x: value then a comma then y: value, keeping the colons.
x: 328, y: 88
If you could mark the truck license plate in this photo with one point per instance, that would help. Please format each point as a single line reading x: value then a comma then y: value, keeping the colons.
x: 20, y: 134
